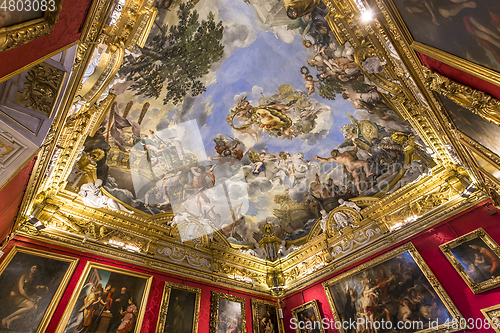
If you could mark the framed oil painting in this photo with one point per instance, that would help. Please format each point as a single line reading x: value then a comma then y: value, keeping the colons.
x: 308, y: 318
x: 179, y: 309
x: 107, y: 299
x: 31, y: 284
x: 464, y: 34
x: 27, y: 21
x: 397, y: 287
x: 227, y: 313
x: 476, y: 257
x: 265, y: 317
x: 492, y: 314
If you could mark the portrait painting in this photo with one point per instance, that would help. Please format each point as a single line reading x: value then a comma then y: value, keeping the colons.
x: 395, y: 288
x: 265, y: 317
x: 308, y: 318
x: 179, y: 310
x: 476, y: 257
x: 474, y: 126
x: 107, y: 299
x: 227, y: 313
x: 31, y: 285
x: 272, y: 122
x: 467, y: 29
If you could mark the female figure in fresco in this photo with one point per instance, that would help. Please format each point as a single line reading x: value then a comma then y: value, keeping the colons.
x: 129, y: 317
x: 23, y: 296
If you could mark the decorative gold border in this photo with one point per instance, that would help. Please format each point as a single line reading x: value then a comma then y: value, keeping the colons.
x: 467, y: 66
x: 164, y: 305
x: 62, y: 286
x: 81, y: 282
x: 476, y: 288
x: 314, y: 305
x: 493, y: 315
x: 408, y: 247
x: 25, y: 32
x: 255, y: 320
x: 214, y: 310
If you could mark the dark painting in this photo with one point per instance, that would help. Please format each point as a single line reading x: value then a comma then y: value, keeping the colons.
x: 229, y: 316
x: 181, y: 311
x: 266, y: 318
x: 474, y: 126
x: 27, y: 286
x: 479, y: 261
x: 469, y: 29
x: 308, y: 317
x: 109, y: 301
x: 394, y: 291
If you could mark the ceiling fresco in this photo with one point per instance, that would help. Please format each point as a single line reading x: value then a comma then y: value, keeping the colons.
x: 238, y: 116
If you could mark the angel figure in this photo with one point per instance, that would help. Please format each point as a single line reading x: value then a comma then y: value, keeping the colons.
x: 258, y: 161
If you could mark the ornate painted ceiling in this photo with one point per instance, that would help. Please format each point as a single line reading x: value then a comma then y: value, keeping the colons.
x: 227, y: 137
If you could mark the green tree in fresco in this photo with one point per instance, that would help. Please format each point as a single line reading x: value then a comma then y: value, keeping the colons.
x: 177, y: 57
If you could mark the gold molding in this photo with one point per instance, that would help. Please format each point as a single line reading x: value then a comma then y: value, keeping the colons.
x: 162, y: 317
x: 214, y: 310
x: 446, y: 248
x: 22, y: 33
x: 83, y: 277
x: 492, y: 314
x: 47, y: 317
x: 311, y: 304
x: 434, y: 282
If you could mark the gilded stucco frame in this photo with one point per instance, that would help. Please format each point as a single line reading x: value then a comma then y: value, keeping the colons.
x: 81, y: 282
x: 410, y: 248
x: 311, y: 304
x: 62, y: 286
x: 214, y: 310
x: 255, y: 319
x: 476, y: 288
x: 25, y: 32
x: 162, y: 317
x: 492, y: 314
x: 467, y: 66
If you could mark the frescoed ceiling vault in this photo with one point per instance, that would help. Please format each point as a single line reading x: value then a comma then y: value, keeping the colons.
x: 242, y: 137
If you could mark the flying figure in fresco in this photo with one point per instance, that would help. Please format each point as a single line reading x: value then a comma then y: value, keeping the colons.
x: 202, y: 180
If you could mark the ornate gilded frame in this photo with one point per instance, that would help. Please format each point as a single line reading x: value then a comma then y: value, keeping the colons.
x: 408, y: 247
x: 81, y: 282
x: 467, y: 66
x: 164, y: 305
x: 311, y: 304
x: 492, y: 313
x: 255, y: 311
x: 476, y: 288
x: 25, y: 32
x: 62, y: 286
x: 214, y: 310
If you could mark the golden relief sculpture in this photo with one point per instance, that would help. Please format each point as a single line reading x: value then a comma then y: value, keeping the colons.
x: 349, y: 232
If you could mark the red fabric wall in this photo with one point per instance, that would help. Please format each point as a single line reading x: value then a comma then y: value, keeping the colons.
x: 155, y: 295
x: 10, y: 199
x: 66, y: 31
x: 427, y: 243
x: 458, y: 76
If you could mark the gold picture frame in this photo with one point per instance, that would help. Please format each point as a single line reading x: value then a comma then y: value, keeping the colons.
x: 40, y: 258
x: 468, y: 66
x: 476, y: 273
x: 256, y: 318
x: 405, y: 256
x: 25, y: 32
x: 92, y: 267
x: 163, y: 319
x: 215, y: 317
x: 311, y: 305
x: 492, y: 313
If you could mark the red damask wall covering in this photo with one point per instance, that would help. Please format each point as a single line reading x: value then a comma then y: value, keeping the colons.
x: 155, y: 295
x: 427, y: 244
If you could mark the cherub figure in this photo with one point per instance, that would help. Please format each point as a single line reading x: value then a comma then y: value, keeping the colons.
x: 310, y: 83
